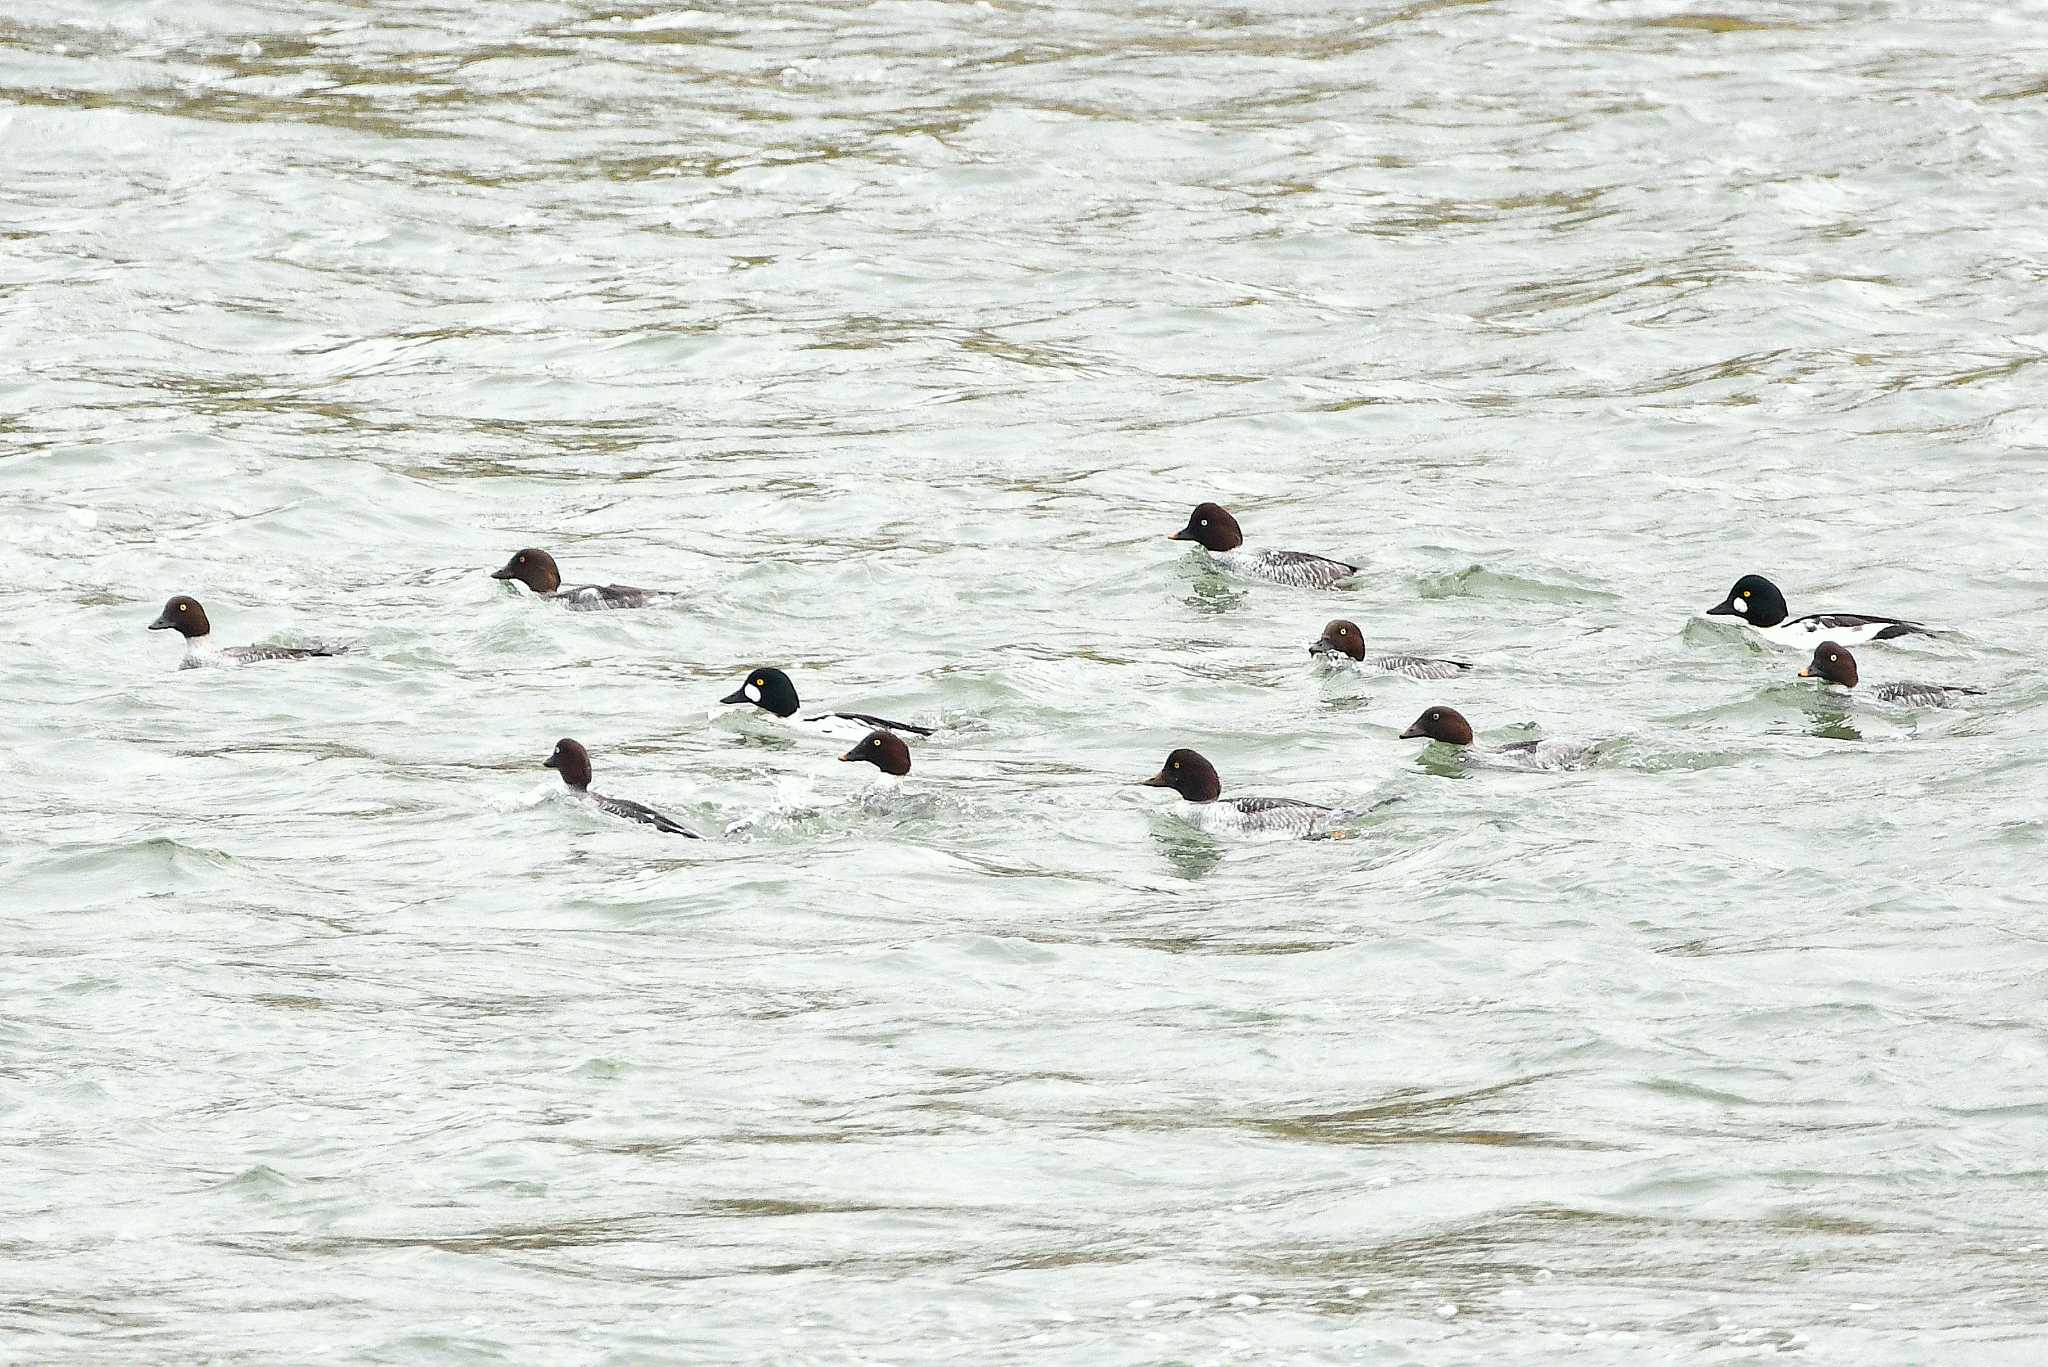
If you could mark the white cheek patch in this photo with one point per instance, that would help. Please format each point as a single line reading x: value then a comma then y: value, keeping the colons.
x: 1740, y: 605
x: 753, y: 694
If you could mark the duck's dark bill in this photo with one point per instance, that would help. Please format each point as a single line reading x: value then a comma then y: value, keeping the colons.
x: 163, y: 623
x: 737, y: 695
x: 1724, y: 608
x: 1415, y: 732
x: 1158, y: 780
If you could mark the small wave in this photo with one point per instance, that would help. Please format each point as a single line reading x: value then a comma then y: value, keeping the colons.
x: 1477, y: 581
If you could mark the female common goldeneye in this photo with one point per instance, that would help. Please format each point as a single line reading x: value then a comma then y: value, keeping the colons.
x: 184, y: 616
x: 1213, y: 528
x: 1203, y: 806
x: 1448, y: 725
x: 1832, y: 663
x: 538, y: 571
x: 770, y: 691
x: 573, y: 762
x: 1341, y: 639
x: 883, y: 749
x: 1761, y: 607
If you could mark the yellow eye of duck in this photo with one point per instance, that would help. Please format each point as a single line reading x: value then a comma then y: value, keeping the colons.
x: 1745, y: 593
x: 760, y: 683
x: 1176, y: 764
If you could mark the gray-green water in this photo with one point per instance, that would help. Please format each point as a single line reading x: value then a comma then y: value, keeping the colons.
x: 894, y: 337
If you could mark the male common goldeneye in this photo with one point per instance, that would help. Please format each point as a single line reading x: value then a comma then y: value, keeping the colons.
x: 1213, y: 528
x: 1341, y: 640
x: 573, y: 762
x: 770, y: 691
x: 883, y: 749
x: 1203, y: 806
x: 1448, y: 725
x: 538, y: 571
x: 1832, y: 663
x: 184, y: 616
x: 1761, y: 607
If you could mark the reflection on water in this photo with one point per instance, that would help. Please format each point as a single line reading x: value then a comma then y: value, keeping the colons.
x: 1216, y: 592
x: 1190, y: 854
x: 1828, y: 720
x: 1442, y: 761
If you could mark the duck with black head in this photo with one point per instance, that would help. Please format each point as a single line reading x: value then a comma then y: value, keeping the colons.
x: 183, y: 615
x: 572, y: 761
x: 538, y: 571
x: 1834, y: 666
x: 1211, y: 527
x: 1756, y: 602
x: 1342, y: 643
x: 773, y: 698
x: 1203, y: 806
x: 1447, y: 726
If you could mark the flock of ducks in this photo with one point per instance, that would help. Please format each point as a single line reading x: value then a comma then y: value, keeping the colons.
x: 1754, y: 601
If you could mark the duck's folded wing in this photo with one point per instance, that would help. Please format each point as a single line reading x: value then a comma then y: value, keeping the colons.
x: 634, y: 811
x: 249, y: 655
x: 1420, y: 666
x: 1925, y: 695
x: 1843, y: 621
x: 874, y: 723
x: 1552, y: 752
x: 1301, y: 568
x: 595, y: 597
x: 1281, y: 814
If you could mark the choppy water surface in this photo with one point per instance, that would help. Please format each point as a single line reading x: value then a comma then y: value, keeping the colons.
x: 894, y: 337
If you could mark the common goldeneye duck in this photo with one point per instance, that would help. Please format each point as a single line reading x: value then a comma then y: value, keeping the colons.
x: 1211, y: 527
x: 1203, y: 806
x: 1761, y: 607
x: 184, y: 616
x: 770, y: 691
x: 883, y: 749
x: 1341, y: 640
x: 572, y: 761
x: 1448, y: 726
x: 538, y: 571
x: 1832, y: 663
